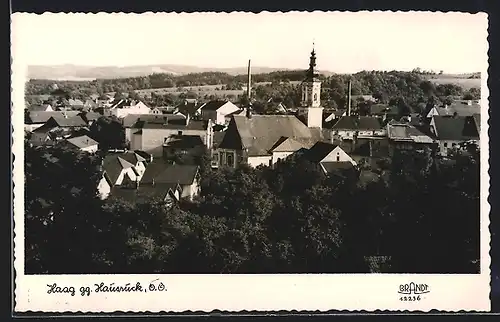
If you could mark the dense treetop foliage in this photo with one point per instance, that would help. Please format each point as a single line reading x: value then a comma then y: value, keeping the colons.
x: 288, y: 219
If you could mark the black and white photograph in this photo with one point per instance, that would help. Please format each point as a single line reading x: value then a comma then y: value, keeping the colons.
x: 272, y: 143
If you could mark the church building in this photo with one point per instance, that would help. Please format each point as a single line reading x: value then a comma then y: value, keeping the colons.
x: 266, y: 139
x: 311, y: 92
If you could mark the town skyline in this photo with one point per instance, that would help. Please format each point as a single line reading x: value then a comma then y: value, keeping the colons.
x: 419, y: 42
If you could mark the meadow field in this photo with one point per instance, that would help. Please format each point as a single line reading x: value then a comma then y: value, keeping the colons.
x: 465, y: 82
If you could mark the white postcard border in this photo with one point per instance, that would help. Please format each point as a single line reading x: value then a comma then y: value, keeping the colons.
x: 237, y: 292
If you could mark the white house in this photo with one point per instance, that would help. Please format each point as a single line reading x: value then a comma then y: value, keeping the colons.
x: 116, y: 172
x: 186, y: 176
x: 84, y: 143
x: 124, y: 107
x: 216, y: 111
x: 361, y: 126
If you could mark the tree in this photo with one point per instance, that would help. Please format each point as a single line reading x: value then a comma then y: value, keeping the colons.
x: 109, y: 132
x: 62, y: 209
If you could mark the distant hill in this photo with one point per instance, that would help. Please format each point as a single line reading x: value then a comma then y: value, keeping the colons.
x: 78, y: 72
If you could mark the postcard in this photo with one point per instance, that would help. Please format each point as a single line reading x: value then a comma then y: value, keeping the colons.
x: 297, y: 161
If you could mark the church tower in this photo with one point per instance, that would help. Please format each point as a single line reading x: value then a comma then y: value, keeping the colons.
x: 311, y: 92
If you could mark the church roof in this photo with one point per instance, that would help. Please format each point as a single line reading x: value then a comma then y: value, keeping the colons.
x: 259, y: 134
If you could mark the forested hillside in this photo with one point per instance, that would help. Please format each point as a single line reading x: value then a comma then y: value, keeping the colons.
x: 408, y: 90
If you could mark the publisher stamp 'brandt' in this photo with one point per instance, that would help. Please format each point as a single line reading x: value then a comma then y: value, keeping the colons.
x: 221, y: 169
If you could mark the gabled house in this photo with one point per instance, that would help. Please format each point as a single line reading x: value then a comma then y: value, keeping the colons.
x: 170, y: 194
x: 251, y: 139
x: 358, y: 126
x: 458, y: 108
x: 216, y: 111
x: 403, y: 136
x: 75, y: 104
x: 130, y: 121
x: 286, y: 146
x: 149, y: 136
x: 56, y: 129
x: 329, y: 157
x: 83, y: 143
x: 137, y: 159
x: 330, y: 117
x: 89, y: 117
x: 186, y: 176
x: 33, y: 120
x: 189, y: 107
x: 41, y: 108
x: 326, y: 152
x: 452, y: 131
x: 123, y: 107
x: 117, y: 171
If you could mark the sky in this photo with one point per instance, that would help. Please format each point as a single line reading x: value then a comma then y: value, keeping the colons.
x: 344, y: 42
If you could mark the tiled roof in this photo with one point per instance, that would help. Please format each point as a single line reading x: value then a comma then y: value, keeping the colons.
x: 319, y: 151
x: 71, y: 121
x: 406, y: 132
x: 285, y: 144
x: 130, y: 120
x: 90, y: 116
x: 213, y: 105
x: 144, y: 192
x: 75, y: 102
x: 357, y: 123
x: 184, y: 141
x: 188, y: 107
x: 82, y: 141
x: 161, y: 172
x: 42, y: 117
x: 217, y: 138
x: 459, y: 128
x: 38, y: 108
x: 259, y: 133
x: 174, y: 125
x: 113, y: 166
x: 130, y: 157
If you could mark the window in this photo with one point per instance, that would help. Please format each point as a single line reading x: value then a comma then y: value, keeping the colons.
x: 230, y: 159
x: 338, y: 158
x: 179, y: 132
x: 315, y: 97
x: 445, y: 144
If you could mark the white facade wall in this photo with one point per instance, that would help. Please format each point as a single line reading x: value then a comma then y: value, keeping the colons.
x: 338, y: 155
x: 90, y: 149
x: 126, y: 172
x: 280, y: 156
x: 260, y: 160
x: 103, y: 188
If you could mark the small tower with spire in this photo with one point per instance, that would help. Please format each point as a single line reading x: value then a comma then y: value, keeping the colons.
x: 311, y: 92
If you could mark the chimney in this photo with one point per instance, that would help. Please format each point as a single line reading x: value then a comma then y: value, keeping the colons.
x: 249, y: 85
x: 349, y: 99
